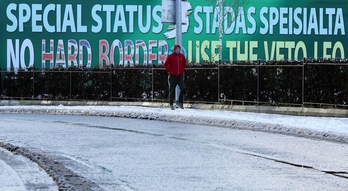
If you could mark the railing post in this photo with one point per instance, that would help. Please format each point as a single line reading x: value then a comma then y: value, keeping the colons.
x: 70, y: 76
x: 303, y: 81
x: 152, y: 85
x: 218, y: 98
x: 33, y: 84
x: 111, y: 83
x: 258, y: 82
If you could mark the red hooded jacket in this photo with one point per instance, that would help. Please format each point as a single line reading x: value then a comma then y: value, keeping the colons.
x: 175, y: 64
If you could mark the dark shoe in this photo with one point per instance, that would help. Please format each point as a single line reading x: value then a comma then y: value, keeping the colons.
x: 181, y: 105
x: 172, y: 107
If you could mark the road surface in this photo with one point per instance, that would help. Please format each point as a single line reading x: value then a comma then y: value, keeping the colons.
x: 108, y: 153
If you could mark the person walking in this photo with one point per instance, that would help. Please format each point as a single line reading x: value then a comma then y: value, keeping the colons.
x: 175, y: 65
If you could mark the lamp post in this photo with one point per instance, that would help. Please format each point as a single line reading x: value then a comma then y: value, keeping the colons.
x: 178, y: 38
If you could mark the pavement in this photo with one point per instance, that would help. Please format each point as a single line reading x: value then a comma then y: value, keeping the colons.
x: 326, y: 124
x: 299, y: 111
x: 115, y: 153
x: 332, y: 127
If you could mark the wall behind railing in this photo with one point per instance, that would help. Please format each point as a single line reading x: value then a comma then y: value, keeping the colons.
x: 272, y: 83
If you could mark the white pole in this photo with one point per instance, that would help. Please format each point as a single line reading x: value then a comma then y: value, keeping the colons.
x: 220, y: 30
x: 178, y: 39
x: 178, y: 21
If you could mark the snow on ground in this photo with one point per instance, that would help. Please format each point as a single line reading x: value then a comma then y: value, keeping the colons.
x: 320, y: 127
x: 18, y: 173
x: 329, y: 128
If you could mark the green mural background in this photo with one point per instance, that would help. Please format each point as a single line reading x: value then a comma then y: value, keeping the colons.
x: 100, y: 23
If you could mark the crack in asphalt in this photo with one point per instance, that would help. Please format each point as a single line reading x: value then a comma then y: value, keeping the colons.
x: 110, y: 128
x: 339, y: 174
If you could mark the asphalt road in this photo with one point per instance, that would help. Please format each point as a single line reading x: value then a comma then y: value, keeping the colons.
x: 105, y: 153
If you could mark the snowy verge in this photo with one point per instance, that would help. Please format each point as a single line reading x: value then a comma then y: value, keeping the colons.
x: 299, y: 111
x: 333, y: 129
x: 64, y: 177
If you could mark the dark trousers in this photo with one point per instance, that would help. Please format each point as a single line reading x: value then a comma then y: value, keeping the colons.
x: 173, y: 81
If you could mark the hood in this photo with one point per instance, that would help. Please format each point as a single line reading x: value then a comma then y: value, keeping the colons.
x: 176, y: 46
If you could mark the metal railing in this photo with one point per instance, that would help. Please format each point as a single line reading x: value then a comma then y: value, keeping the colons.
x: 316, y: 84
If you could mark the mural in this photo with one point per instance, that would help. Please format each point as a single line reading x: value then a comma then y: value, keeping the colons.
x: 48, y: 34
